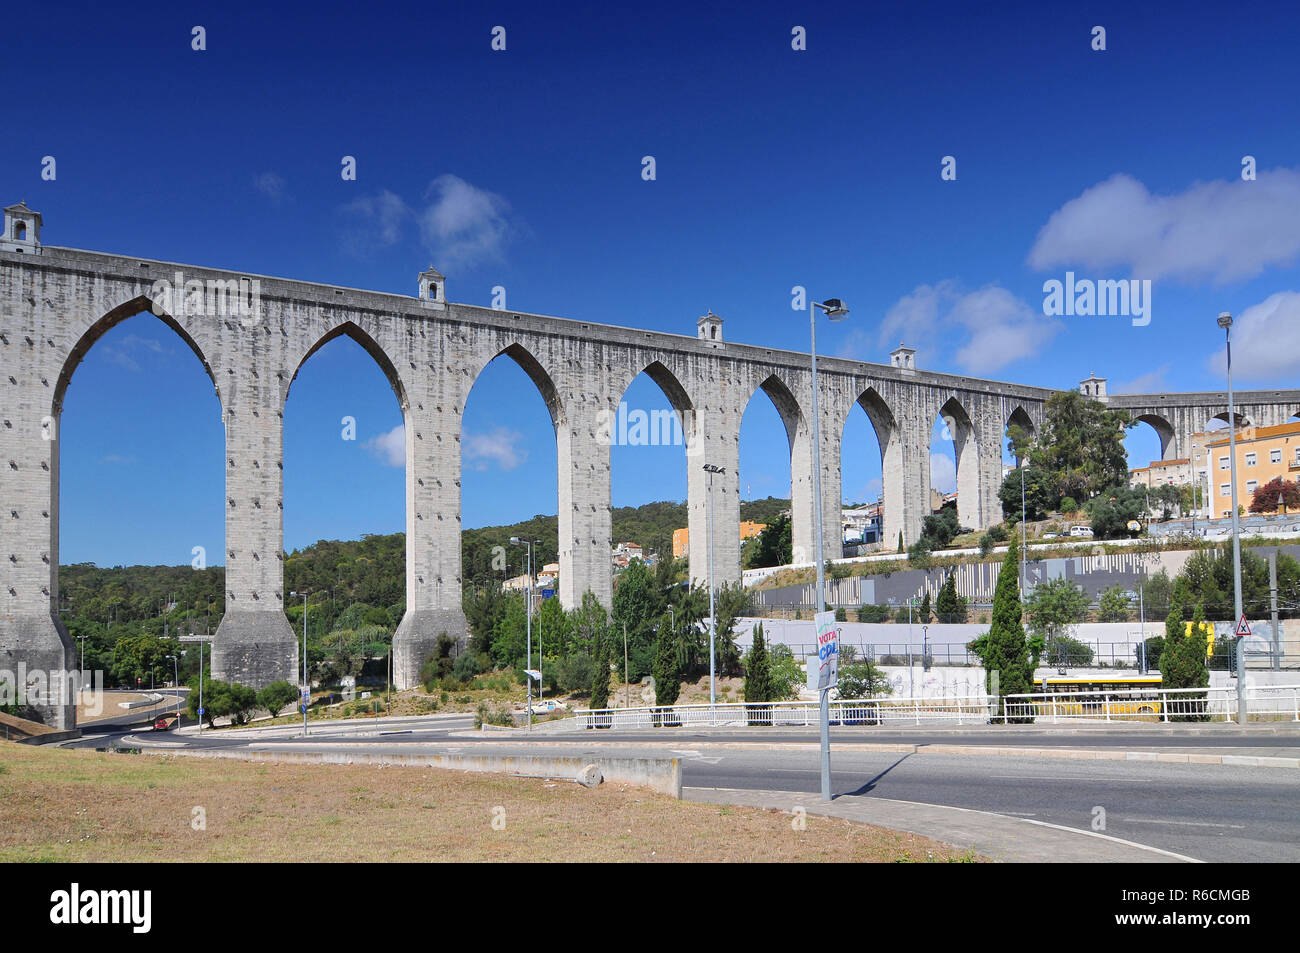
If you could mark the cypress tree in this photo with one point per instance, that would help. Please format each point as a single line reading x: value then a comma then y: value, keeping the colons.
x: 600, y: 679
x: 1003, y: 649
x: 925, y: 607
x: 900, y: 541
x: 758, y: 670
x: 667, y: 673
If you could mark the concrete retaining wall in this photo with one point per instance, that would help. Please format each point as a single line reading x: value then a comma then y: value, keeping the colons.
x: 663, y: 775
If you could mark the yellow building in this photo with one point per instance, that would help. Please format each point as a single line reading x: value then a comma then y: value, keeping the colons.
x: 1263, y: 453
x: 682, y: 537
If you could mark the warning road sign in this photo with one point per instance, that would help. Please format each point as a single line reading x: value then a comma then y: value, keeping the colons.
x: 1243, y: 627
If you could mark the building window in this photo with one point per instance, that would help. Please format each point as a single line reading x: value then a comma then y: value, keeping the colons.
x: 1223, y: 463
x: 1225, y: 489
x: 1251, y: 459
x: 1275, y: 456
x: 1252, y: 486
x: 20, y: 231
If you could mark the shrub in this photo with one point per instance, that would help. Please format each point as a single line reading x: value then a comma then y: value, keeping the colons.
x: 1069, y: 505
x: 841, y: 615
x: 873, y: 613
x: 466, y: 666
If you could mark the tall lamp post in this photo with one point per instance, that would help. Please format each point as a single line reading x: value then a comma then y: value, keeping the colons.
x: 306, y: 686
x: 1225, y: 322
x: 835, y: 310
x: 711, y: 470
x: 528, y: 678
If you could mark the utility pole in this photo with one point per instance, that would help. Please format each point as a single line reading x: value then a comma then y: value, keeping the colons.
x: 1225, y: 322
x: 1272, y: 599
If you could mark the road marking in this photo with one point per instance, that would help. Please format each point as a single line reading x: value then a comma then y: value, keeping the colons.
x: 1156, y: 820
x: 1066, y: 777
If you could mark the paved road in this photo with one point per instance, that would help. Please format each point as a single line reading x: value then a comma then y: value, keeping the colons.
x: 1208, y: 812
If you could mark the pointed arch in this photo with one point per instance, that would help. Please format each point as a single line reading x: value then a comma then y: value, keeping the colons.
x: 116, y: 316
x: 965, y: 448
x: 369, y: 345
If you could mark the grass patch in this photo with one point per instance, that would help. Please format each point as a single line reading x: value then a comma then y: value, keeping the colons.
x: 61, y: 805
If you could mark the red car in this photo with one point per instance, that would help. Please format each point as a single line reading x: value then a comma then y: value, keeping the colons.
x: 165, y: 722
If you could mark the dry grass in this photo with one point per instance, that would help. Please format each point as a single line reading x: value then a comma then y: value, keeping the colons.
x: 68, y: 805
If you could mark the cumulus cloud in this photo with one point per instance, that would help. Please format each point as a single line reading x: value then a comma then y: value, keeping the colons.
x: 375, y: 221
x: 992, y: 326
x: 1152, y: 382
x: 1223, y: 230
x: 943, y: 473
x: 1265, y: 341
x: 499, y: 446
x: 389, y: 448
x: 463, y: 225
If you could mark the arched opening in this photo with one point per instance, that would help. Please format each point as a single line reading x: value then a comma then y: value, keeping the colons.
x: 139, y: 483
x: 868, y: 427
x: 865, y: 471
x: 769, y: 433
x: 509, y: 469
x: 648, y: 437
x: 1016, y: 439
x: 1148, y: 443
x: 20, y: 231
x: 345, y: 504
x: 954, y: 464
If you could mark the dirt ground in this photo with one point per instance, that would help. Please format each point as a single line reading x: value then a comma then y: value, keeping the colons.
x: 69, y: 805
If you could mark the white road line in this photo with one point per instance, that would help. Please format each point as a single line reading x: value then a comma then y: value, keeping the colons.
x: 1156, y: 820
x: 1065, y: 777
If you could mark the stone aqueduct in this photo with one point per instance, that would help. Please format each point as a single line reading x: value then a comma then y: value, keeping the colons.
x: 56, y: 302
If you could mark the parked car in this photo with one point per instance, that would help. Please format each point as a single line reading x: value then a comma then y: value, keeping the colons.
x: 1080, y: 530
x: 1051, y: 536
x: 166, y: 722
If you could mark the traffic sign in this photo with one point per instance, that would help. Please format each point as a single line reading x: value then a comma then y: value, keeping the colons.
x: 533, y: 674
x: 1243, y: 627
x: 202, y: 712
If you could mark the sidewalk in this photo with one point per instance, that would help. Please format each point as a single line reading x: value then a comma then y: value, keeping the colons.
x: 996, y: 836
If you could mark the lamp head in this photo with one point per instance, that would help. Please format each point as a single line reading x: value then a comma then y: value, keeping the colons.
x: 1225, y: 320
x: 834, y: 308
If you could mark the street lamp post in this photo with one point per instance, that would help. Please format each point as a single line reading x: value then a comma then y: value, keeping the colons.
x: 710, y: 469
x: 835, y: 311
x: 528, y: 614
x: 1225, y: 322
x: 306, y: 688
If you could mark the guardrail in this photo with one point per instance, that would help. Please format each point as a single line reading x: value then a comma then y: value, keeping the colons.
x: 862, y: 711
x: 1162, y: 705
x: 1277, y: 702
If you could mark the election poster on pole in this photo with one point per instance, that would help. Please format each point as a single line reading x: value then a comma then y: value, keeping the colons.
x: 824, y: 670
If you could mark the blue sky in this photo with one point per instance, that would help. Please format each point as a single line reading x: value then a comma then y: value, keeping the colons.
x: 774, y: 168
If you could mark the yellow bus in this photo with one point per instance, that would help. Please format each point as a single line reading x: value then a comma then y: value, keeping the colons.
x: 1105, y: 696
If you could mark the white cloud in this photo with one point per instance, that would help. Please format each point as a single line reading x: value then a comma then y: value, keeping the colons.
x: 943, y: 473
x: 1265, y: 341
x: 1222, y: 230
x: 871, y: 492
x: 389, y: 448
x: 271, y: 185
x: 991, y: 327
x: 463, y: 225
x: 375, y: 221
x: 499, y: 446
x: 123, y: 353
x: 1152, y: 382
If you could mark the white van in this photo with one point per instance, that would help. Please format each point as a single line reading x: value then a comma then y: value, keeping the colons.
x: 1080, y: 530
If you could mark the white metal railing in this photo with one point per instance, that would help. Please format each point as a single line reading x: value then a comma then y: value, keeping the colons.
x: 1270, y: 702
x: 1263, y: 702
x: 844, y: 711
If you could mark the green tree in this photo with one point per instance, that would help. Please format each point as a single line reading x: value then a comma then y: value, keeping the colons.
x: 775, y: 546
x: 667, y: 671
x: 949, y: 607
x: 600, y: 677
x: 863, y: 680
x: 1009, y: 658
x: 758, y: 675
x: 923, y: 616
x: 1115, y: 605
x: 1081, y: 446
x: 786, y: 675
x: 277, y: 695
x: 1052, y: 611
